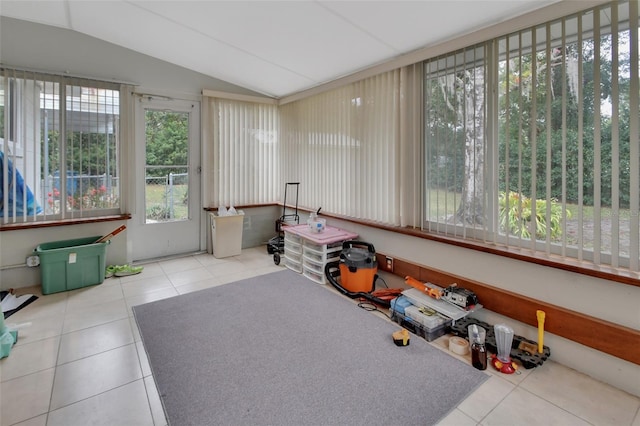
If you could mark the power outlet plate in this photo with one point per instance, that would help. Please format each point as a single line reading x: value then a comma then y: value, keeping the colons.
x: 388, y: 264
x: 33, y: 261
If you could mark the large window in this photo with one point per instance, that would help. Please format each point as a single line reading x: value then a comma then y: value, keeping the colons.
x: 59, y: 147
x: 531, y: 140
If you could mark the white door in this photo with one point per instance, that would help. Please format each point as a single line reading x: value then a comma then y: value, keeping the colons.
x: 168, y: 217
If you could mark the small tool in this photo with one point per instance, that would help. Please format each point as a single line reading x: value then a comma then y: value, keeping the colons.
x: 459, y: 297
x: 401, y: 337
x: 430, y: 290
x: 111, y: 235
x: 540, y: 315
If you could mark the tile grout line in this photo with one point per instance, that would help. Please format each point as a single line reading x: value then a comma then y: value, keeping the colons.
x: 97, y: 394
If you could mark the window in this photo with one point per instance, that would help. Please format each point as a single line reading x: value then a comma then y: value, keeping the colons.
x: 167, y: 165
x: 59, y: 147
x: 532, y: 142
x: 455, y: 114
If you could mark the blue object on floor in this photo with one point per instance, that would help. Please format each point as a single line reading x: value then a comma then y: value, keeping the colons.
x: 399, y: 303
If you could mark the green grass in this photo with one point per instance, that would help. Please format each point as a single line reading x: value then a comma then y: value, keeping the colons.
x: 588, y: 212
x: 440, y: 197
x: 156, y: 197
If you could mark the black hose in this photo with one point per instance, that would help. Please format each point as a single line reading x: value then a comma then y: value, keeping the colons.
x: 332, y: 271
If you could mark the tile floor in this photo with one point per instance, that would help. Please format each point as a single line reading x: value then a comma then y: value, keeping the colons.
x: 81, y: 361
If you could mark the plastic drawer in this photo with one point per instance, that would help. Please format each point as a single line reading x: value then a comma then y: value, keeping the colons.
x: 292, y: 238
x: 295, y: 266
x: 317, y: 267
x: 322, y: 256
x: 292, y: 255
x: 322, y: 248
x: 292, y: 247
x: 313, y: 275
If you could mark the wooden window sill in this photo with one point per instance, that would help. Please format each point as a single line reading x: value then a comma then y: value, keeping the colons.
x: 64, y: 222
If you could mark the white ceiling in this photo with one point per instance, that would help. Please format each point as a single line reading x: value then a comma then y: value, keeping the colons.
x: 276, y: 48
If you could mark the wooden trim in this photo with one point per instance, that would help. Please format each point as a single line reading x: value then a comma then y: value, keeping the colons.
x: 252, y: 206
x: 605, y: 336
x: 65, y: 222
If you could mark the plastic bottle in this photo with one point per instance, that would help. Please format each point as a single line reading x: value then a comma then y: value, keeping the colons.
x: 312, y: 218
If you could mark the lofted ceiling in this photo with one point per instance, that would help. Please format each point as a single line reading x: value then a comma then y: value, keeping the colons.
x: 275, y: 48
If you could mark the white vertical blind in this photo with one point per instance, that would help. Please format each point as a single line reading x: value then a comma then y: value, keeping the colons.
x: 244, y: 152
x: 634, y: 137
x: 410, y: 172
x: 20, y: 165
x: 615, y: 137
x: 456, y: 99
x: 566, y: 174
x: 343, y: 146
x: 125, y: 147
x: 59, y: 142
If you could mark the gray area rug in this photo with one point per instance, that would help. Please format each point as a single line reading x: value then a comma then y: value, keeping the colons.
x: 279, y: 349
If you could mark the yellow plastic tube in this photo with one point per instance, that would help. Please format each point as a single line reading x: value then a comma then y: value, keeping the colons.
x: 541, y: 316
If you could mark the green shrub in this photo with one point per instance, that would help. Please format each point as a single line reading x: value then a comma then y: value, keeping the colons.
x: 515, y: 216
x: 158, y: 213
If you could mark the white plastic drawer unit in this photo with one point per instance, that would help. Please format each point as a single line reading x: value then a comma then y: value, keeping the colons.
x: 308, y: 252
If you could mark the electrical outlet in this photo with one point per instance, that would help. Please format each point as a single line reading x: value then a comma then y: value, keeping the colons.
x: 389, y: 265
x: 33, y: 261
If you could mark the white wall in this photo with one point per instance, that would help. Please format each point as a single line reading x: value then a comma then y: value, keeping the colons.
x: 15, y: 246
x: 596, y: 297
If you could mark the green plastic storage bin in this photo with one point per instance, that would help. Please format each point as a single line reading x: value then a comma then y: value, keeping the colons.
x: 71, y: 264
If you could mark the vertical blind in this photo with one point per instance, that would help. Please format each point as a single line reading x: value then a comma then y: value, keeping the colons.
x: 343, y: 146
x: 456, y: 141
x: 59, y: 143
x: 245, y: 152
x: 557, y: 168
